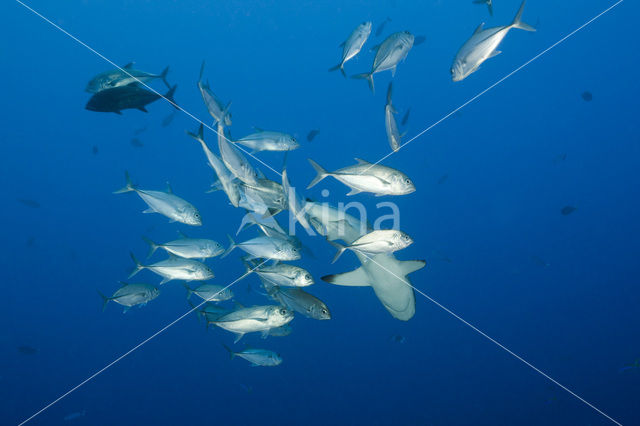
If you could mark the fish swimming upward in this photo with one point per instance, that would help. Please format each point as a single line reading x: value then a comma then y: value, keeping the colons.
x: 352, y: 45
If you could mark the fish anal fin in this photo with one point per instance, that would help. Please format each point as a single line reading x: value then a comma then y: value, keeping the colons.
x: 495, y: 53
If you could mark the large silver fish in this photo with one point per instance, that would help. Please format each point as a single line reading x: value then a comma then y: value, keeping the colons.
x: 352, y: 45
x: 175, y: 268
x: 118, y: 78
x: 189, y: 248
x: 483, y: 45
x: 216, y: 108
x: 367, y: 177
x: 210, y: 292
x: 265, y: 247
x: 257, y: 357
x: 282, y: 274
x: 265, y: 140
x: 234, y: 160
x: 165, y: 203
x: 131, y: 295
x: 376, y: 242
x: 256, y: 318
x: 393, y: 134
x: 298, y: 300
x: 269, y: 192
x: 295, y: 203
x: 333, y: 223
x: 393, y: 50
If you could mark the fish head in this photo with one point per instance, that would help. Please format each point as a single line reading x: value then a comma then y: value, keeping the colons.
x: 401, y: 184
x: 290, y: 143
x: 192, y: 216
x: 459, y: 70
x: 320, y: 312
x: 227, y: 119
x: 280, y: 315
x: 289, y: 252
x: 407, y: 39
x: 213, y: 248
x: 303, y: 279
x: 365, y: 27
x: 402, y: 240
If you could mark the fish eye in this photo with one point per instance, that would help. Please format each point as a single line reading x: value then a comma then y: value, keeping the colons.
x: 307, y: 276
x: 324, y: 311
x: 407, y: 180
x: 283, y: 312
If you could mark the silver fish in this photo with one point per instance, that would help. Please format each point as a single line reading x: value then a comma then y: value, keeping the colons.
x: 296, y: 206
x: 265, y: 140
x: 393, y: 50
x: 252, y: 218
x: 483, y: 45
x: 131, y: 295
x: 165, y: 203
x: 118, y: 78
x: 298, y: 300
x: 489, y: 4
x: 333, y: 223
x: 256, y: 318
x: 265, y: 247
x: 281, y: 331
x: 189, y: 248
x: 210, y: 292
x: 269, y: 192
x: 282, y: 274
x: 367, y: 177
x: 352, y: 45
x: 376, y: 242
x: 216, y: 108
x: 393, y: 134
x: 175, y: 268
x: 257, y: 357
x: 234, y: 160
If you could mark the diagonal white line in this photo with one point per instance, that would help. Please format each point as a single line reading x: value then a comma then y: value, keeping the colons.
x: 130, y: 351
x: 590, y: 21
x: 494, y: 341
x: 77, y: 40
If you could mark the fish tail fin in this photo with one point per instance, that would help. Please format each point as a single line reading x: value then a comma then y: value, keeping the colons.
x: 201, y: 71
x: 232, y: 245
x: 231, y: 353
x: 340, y: 67
x: 163, y: 76
x: 169, y: 96
x: 128, y: 187
x: 198, y: 136
x: 338, y: 247
x: 105, y: 300
x: 389, y: 91
x: 152, y: 246
x: 189, y: 290
x: 138, y: 266
x: 366, y: 76
x: 517, y: 22
x: 322, y: 173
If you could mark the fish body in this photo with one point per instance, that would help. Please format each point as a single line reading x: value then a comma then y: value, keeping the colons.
x: 265, y: 140
x: 256, y: 318
x: 282, y: 331
x: 296, y: 205
x: 353, y: 44
x: 126, y: 97
x: 122, y: 77
x: 483, y: 45
x: 189, y: 248
x: 165, y: 203
x: 269, y: 192
x: 265, y: 247
x: 489, y: 4
x: 258, y: 357
x: 130, y: 295
x: 216, y: 108
x: 298, y: 300
x: 176, y: 268
x: 393, y: 134
x: 237, y: 164
x: 367, y: 177
x: 393, y: 50
x: 210, y: 292
x: 282, y: 274
x: 381, y: 241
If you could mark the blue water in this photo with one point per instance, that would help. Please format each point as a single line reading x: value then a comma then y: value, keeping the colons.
x: 575, y: 319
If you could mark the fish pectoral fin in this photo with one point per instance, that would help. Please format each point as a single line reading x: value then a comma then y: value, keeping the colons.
x: 477, y: 30
x: 149, y: 210
x: 238, y: 337
x: 393, y: 71
x: 495, y: 53
x: 355, y: 278
x: 353, y: 191
x: 165, y: 280
x: 409, y: 266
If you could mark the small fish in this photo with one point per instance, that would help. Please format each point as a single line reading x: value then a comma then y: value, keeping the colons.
x: 253, y: 319
x: 281, y: 331
x: 560, y: 157
x: 406, y: 117
x: 234, y: 160
x: 539, y: 261
x: 216, y: 108
x: 380, y: 28
x: 137, y: 143
x: 298, y: 300
x: 94, y: 150
x: 189, y: 248
x: 257, y: 357
x: 175, y: 268
x: 353, y: 44
x: 393, y: 50
x: 489, y: 4
x: 29, y: 203
x: 246, y: 388
x: 482, y: 45
x: 393, y: 134
x: 122, y: 77
x: 282, y: 274
x: 74, y: 416
x: 169, y: 118
x: 210, y: 292
x: 443, y: 179
x: 633, y: 366
x: 312, y: 134
x: 367, y: 177
x: 129, y: 295
x: 139, y: 130
x: 566, y: 210
x: 376, y: 242
x: 587, y: 96
x: 266, y: 248
x: 126, y: 97
x: 419, y: 40
x: 397, y: 338
x: 165, y: 203
x: 31, y: 241
x: 27, y: 350
x: 265, y: 140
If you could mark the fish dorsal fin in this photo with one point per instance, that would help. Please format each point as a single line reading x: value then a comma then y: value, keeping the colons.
x: 355, y: 278
x: 182, y: 234
x: 479, y: 28
x: 361, y: 161
x: 409, y: 266
x: 375, y: 48
x: 169, y: 190
x: 122, y: 283
x: 128, y: 66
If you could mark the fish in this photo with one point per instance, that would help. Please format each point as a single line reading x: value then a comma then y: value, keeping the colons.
x: 216, y: 108
x: 123, y: 77
x: 210, y: 311
x: 587, y: 96
x: 352, y: 45
x: 483, y: 45
x: 489, y: 4
x: 376, y: 242
x: 257, y: 357
x: 282, y: 274
x: 234, y: 160
x: 405, y: 118
x: 298, y: 300
x: 137, y: 143
x: 127, y: 97
x: 29, y: 203
x: 175, y: 268
x: 635, y: 365
x: 94, y: 150
x: 225, y: 177
x: 393, y: 134
x: 210, y: 292
x: 266, y: 140
x: 270, y: 193
x: 567, y: 210
x: 27, y: 350
x: 74, y: 416
x: 443, y: 179
x: 393, y: 50
x: 253, y: 319
x: 265, y: 247
x: 367, y: 177
x: 169, y: 118
x: 560, y: 157
x: 312, y: 134
x: 419, y: 40
x: 251, y: 218
x: 380, y: 28
x: 397, y: 338
x: 140, y: 130
x: 334, y: 223
x: 165, y: 203
x: 129, y: 295
x: 281, y: 331
x: 188, y: 248
x: 296, y: 205
x: 31, y: 241
x: 539, y: 261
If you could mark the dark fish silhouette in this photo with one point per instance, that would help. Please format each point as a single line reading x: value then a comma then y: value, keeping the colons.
x: 419, y: 40
x: 489, y: 4
x: 539, y: 261
x: 566, y: 210
x: 29, y: 203
x: 136, y: 132
x: 560, y: 157
x: 312, y: 134
x: 137, y: 143
x: 405, y: 118
x: 380, y: 28
x: 587, y: 96
x: 168, y: 119
x: 94, y: 150
x: 27, y: 350
x: 443, y: 179
x: 397, y: 338
x: 31, y: 241
x: 126, y: 97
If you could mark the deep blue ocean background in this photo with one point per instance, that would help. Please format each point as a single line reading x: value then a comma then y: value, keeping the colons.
x: 481, y: 230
